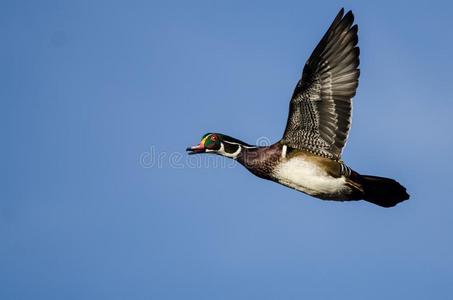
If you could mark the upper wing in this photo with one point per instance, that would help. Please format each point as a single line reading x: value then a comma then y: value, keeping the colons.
x: 320, y: 108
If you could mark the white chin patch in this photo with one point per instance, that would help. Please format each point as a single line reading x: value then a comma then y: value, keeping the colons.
x: 234, y: 155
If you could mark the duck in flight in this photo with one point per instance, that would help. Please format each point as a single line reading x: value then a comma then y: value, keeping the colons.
x: 308, y: 157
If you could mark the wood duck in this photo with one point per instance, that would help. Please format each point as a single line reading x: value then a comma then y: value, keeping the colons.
x: 308, y: 157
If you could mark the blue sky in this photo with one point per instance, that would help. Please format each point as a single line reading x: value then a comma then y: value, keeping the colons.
x: 94, y: 92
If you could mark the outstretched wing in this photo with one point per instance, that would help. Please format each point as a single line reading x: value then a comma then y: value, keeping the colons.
x: 320, y: 109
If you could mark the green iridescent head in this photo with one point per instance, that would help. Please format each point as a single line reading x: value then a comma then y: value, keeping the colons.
x: 210, y: 142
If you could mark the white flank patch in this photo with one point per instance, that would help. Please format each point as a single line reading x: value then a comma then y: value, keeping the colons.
x: 305, y: 176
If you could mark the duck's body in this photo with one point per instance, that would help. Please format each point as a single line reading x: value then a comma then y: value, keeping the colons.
x: 308, y: 157
x: 314, y: 175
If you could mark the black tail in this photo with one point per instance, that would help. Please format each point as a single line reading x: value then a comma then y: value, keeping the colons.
x: 382, y: 191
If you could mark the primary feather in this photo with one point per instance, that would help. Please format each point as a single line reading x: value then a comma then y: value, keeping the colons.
x: 320, y: 108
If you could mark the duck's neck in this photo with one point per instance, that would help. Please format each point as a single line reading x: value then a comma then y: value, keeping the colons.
x: 235, y: 150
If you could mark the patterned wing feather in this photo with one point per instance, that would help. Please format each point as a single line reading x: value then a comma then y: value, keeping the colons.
x: 320, y: 108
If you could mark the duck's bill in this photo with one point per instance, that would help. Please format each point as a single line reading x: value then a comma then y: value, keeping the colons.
x: 196, y: 149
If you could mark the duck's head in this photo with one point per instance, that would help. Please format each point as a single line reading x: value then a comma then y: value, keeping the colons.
x: 218, y: 143
x: 210, y: 142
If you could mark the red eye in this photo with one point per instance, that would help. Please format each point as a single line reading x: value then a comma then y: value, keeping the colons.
x: 214, y: 138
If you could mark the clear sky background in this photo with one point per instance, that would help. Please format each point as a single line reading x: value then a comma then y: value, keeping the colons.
x: 93, y: 92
